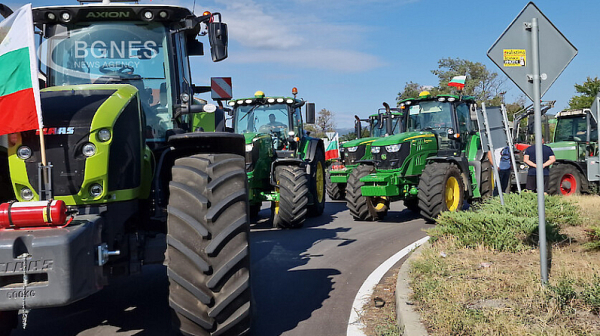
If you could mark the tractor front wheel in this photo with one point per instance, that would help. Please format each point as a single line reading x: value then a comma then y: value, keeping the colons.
x: 355, y: 201
x: 317, y: 183
x: 291, y: 210
x: 441, y: 188
x: 336, y: 191
x: 208, y: 260
x: 564, y: 180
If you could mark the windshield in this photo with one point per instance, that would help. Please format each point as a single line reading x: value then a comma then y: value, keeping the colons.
x: 380, y: 132
x: 262, y: 119
x: 116, y: 53
x: 572, y: 129
x: 429, y: 115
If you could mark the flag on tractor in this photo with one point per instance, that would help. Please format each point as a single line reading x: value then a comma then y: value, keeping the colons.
x: 333, y: 148
x: 458, y: 82
x: 19, y: 87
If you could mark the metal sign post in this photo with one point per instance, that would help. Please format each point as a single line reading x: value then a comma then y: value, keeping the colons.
x: 491, y: 149
x: 517, y: 53
x: 511, y: 147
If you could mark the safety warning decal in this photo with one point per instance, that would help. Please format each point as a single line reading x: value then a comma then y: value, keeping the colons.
x: 515, y: 57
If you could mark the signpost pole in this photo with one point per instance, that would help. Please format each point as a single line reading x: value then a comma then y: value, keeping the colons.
x: 539, y: 157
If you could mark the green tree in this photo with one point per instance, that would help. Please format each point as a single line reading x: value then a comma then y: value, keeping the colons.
x: 325, y: 123
x: 588, y: 91
x: 411, y: 90
x: 352, y: 135
x: 483, y: 84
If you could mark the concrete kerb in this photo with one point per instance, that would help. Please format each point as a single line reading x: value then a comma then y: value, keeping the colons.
x: 409, y: 320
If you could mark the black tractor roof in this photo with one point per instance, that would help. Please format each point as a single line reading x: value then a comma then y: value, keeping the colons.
x: 109, y: 12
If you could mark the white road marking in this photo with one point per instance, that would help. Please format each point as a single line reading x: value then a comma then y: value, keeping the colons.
x: 355, y: 326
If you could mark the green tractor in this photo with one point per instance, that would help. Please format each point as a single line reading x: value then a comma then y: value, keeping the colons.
x: 433, y: 166
x: 285, y: 166
x: 575, y: 146
x: 125, y: 155
x: 354, y: 151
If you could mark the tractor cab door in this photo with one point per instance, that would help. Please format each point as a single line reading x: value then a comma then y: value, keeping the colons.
x: 464, y: 123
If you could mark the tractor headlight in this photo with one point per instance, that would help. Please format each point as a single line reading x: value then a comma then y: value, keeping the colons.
x: 280, y: 100
x: 148, y: 15
x: 290, y: 101
x: 96, y: 190
x: 88, y: 149
x: 271, y: 100
x: 249, y: 148
x: 231, y: 103
x: 24, y: 152
x: 392, y: 148
x: 26, y: 194
x: 104, y: 135
x: 375, y: 150
x: 352, y: 149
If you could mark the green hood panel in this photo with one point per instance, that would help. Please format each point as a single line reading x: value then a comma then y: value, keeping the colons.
x: 402, y: 137
x: 358, y: 142
x: 567, y: 150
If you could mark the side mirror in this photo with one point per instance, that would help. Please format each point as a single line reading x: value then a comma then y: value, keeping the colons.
x: 310, y: 113
x: 217, y: 36
x: 5, y: 11
x: 380, y: 120
x: 357, y: 127
x: 195, y: 48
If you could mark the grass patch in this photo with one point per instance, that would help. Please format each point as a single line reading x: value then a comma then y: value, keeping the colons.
x: 481, y: 276
x: 513, y: 227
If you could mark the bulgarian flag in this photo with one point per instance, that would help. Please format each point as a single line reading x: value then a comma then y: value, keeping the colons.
x: 333, y: 149
x: 19, y: 88
x: 458, y: 82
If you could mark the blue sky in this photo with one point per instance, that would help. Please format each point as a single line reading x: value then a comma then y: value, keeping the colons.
x: 349, y: 56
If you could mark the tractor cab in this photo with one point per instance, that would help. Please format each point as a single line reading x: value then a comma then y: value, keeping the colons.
x: 278, y: 119
x: 146, y: 46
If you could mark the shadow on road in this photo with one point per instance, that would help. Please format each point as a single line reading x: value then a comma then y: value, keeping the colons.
x: 285, y: 293
x: 130, y: 306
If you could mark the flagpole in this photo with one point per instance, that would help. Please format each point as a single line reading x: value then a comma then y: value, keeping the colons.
x: 43, y: 151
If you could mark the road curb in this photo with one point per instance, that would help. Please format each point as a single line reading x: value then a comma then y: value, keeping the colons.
x: 409, y: 320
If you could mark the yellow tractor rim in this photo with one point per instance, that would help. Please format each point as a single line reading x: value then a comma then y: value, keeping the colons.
x: 320, y: 182
x: 452, y: 193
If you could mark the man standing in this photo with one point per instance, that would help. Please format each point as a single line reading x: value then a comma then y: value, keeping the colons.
x: 502, y: 160
x: 529, y: 159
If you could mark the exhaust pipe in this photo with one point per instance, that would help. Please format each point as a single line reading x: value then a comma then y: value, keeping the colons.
x: 388, y: 114
x: 357, y: 127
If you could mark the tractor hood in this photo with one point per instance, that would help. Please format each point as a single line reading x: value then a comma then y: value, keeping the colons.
x: 358, y: 142
x: 402, y: 137
x: 566, y: 150
x: 252, y: 136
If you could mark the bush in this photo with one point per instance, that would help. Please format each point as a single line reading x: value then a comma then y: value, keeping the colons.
x: 512, y: 227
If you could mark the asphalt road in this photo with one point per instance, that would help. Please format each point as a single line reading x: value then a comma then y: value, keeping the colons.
x: 304, y: 281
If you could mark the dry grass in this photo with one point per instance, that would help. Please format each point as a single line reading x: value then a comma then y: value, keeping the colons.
x: 479, y: 291
x: 381, y: 321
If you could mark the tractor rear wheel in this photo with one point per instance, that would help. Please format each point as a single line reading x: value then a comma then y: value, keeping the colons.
x: 487, y: 185
x: 336, y: 191
x: 291, y: 210
x: 441, y: 188
x: 565, y: 180
x: 208, y: 261
x: 355, y: 201
x: 317, y: 185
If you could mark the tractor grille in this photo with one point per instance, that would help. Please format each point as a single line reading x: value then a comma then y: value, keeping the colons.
x: 350, y: 158
x: 64, y: 112
x: 392, y: 160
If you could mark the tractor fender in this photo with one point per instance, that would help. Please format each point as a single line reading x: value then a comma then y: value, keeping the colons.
x: 284, y: 162
x: 462, y: 164
x: 312, y: 147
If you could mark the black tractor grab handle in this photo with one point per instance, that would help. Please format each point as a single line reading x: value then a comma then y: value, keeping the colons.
x: 5, y: 11
x: 388, y: 114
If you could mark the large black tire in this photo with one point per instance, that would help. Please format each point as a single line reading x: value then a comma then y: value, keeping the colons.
x: 208, y: 261
x: 6, y: 190
x: 433, y: 186
x: 565, y: 179
x: 317, y: 184
x: 355, y: 201
x: 336, y: 191
x: 486, y: 188
x: 291, y: 210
